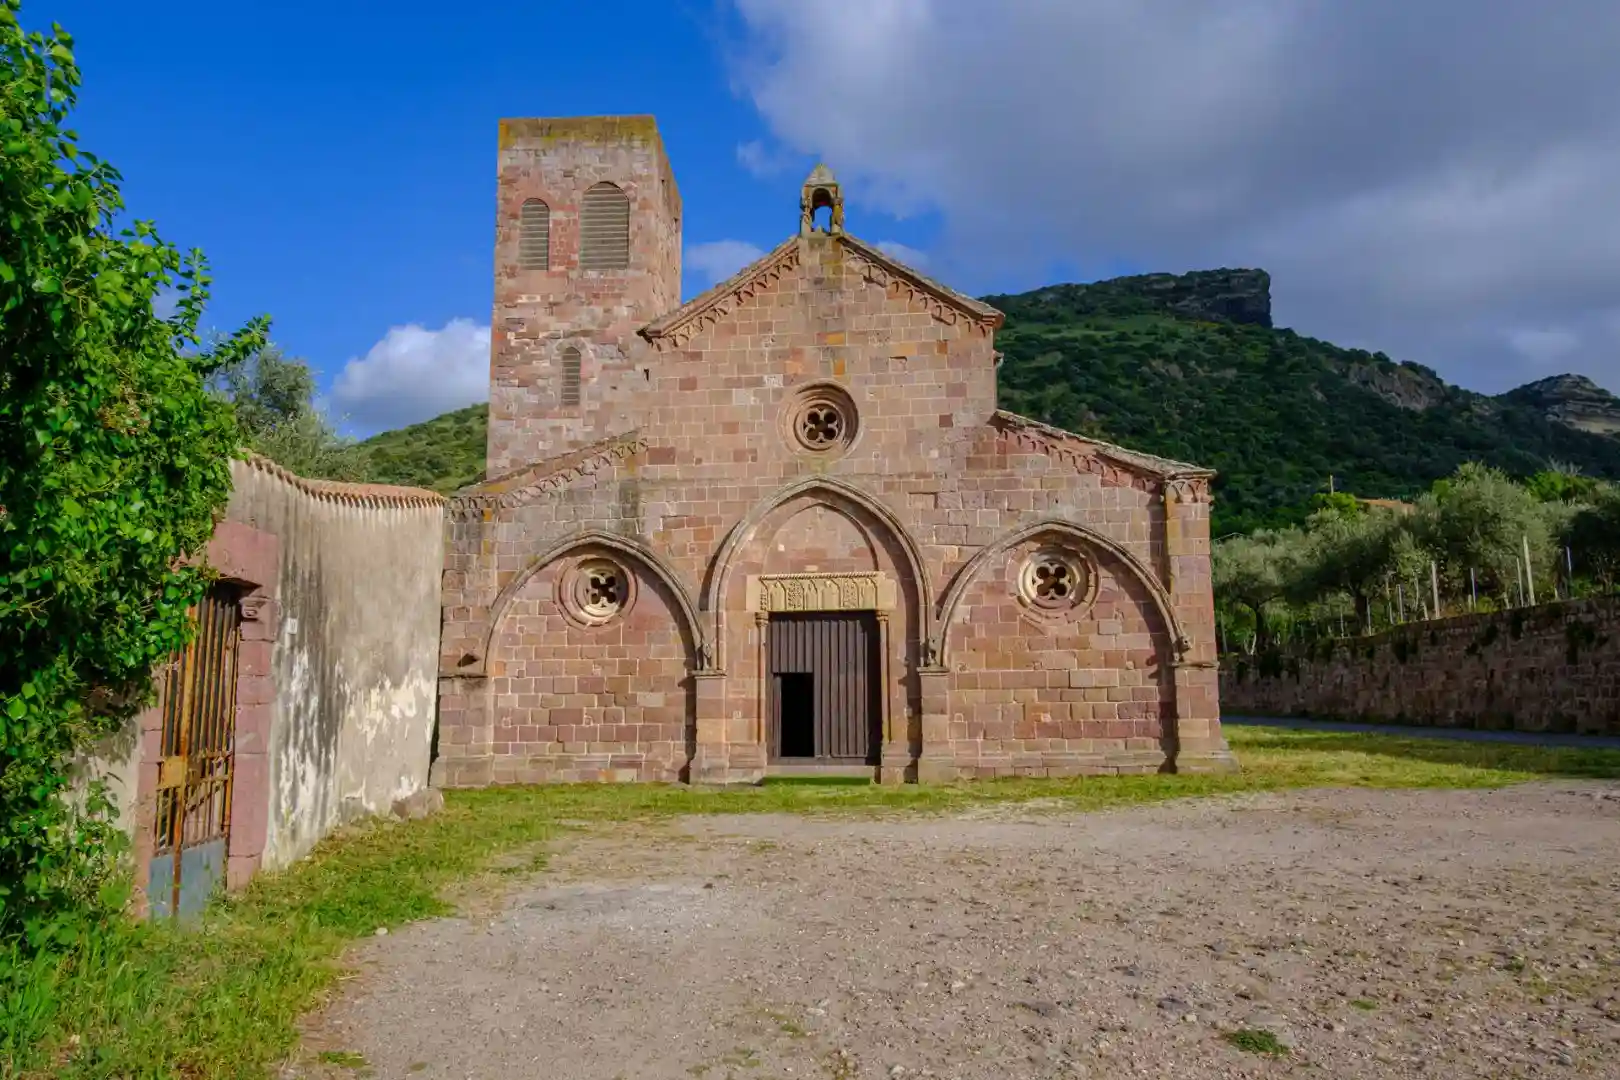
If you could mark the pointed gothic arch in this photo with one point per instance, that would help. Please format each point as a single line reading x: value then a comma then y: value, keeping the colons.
x: 835, y: 491
x: 986, y: 556
x: 639, y: 553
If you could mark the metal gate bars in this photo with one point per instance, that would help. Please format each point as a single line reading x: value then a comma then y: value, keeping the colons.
x: 193, y: 817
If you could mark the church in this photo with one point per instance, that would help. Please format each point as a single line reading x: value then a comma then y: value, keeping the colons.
x: 783, y: 528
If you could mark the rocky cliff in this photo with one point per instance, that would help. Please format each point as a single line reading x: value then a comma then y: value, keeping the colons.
x: 1573, y: 400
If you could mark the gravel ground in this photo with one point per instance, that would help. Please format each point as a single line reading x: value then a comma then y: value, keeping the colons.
x: 1369, y: 933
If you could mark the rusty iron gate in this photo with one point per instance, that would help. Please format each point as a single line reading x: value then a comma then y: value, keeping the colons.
x: 194, y: 777
x: 823, y: 687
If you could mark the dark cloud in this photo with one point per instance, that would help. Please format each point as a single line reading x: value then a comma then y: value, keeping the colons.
x: 1438, y: 180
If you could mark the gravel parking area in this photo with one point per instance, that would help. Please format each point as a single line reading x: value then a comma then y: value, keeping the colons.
x: 1344, y: 933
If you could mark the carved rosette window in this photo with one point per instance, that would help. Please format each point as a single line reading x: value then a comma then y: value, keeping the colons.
x: 1054, y: 581
x: 820, y: 420
x: 596, y: 591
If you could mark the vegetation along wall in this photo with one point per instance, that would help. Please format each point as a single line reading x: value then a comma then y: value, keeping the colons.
x: 1554, y: 667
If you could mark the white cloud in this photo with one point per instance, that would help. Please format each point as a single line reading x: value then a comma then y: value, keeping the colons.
x: 1422, y: 178
x: 764, y: 162
x: 908, y: 255
x: 413, y: 374
x: 716, y: 260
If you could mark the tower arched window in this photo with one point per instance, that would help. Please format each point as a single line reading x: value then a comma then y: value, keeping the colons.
x: 604, y: 229
x: 570, y: 377
x: 534, y: 236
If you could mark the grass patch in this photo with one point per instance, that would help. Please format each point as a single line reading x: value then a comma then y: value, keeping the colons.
x: 1363, y: 1004
x: 222, y: 1000
x: 1256, y: 1041
x: 345, y: 1059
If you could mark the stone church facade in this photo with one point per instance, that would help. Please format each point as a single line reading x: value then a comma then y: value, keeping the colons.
x: 783, y: 527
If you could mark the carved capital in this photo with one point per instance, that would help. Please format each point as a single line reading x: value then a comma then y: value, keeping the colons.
x: 1186, y: 490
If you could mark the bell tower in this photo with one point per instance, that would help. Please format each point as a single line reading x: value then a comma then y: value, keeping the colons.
x: 587, y: 250
x: 821, y: 192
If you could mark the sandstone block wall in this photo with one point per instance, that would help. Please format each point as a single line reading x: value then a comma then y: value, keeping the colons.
x: 541, y: 313
x: 705, y: 489
x: 1555, y: 667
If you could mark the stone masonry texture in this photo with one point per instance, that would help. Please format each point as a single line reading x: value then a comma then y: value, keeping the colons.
x: 1554, y: 667
x: 682, y: 468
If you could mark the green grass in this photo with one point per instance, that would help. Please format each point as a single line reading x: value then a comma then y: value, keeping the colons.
x: 1256, y: 1041
x: 223, y: 999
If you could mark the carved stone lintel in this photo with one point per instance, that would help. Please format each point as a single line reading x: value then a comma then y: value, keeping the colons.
x: 869, y: 591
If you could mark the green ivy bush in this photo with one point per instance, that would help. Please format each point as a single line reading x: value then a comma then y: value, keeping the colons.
x: 114, y: 462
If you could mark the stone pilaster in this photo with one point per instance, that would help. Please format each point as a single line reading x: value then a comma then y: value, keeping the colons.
x: 1200, y: 745
x: 466, y: 734
x: 937, y: 763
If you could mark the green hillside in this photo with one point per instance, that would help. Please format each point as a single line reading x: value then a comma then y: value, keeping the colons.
x: 445, y: 453
x: 1190, y: 367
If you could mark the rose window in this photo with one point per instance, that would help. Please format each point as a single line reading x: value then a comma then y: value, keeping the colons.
x: 597, y: 591
x: 1053, y: 580
x: 821, y: 419
x: 821, y: 427
x: 604, y: 594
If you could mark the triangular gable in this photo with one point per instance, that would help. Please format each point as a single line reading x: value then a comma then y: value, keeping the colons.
x: 875, y: 265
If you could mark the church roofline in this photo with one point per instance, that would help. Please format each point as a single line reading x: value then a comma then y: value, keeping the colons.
x: 757, y: 271
x: 784, y: 255
x: 977, y: 309
x: 527, y: 482
x: 1151, y: 464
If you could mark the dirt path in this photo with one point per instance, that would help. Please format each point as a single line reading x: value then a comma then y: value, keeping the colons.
x: 1374, y: 934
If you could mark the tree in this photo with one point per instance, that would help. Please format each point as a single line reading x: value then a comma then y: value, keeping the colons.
x: 114, y: 461
x: 1254, y: 571
x: 1479, y: 519
x: 1594, y: 533
x: 1563, y: 483
x: 1353, y: 552
x: 274, y: 396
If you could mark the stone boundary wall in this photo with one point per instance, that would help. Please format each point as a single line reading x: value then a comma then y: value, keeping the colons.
x: 354, y: 661
x: 1552, y: 668
x: 336, y: 666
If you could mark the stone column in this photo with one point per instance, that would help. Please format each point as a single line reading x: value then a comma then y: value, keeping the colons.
x: 1200, y: 746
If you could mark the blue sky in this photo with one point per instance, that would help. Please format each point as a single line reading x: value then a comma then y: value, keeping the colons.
x: 337, y: 165
x: 336, y: 161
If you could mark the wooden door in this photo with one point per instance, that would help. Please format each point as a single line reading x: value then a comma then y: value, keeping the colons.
x: 824, y: 687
